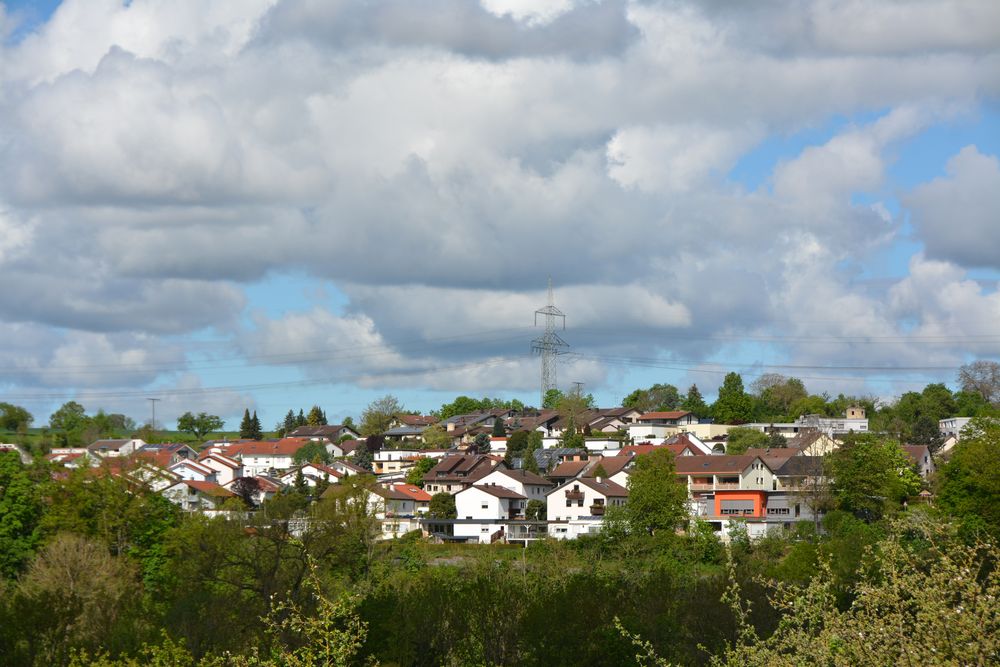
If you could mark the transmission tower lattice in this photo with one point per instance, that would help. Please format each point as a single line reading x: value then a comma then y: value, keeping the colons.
x: 549, y: 345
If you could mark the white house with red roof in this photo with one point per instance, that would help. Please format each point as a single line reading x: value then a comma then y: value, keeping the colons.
x: 226, y: 469
x: 261, y: 457
x: 312, y: 474
x: 187, y: 469
x: 577, y: 507
x: 195, y: 496
x: 483, y: 509
x: 398, y: 507
x: 528, y: 484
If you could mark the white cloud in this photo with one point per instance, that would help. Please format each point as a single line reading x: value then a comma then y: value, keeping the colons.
x: 957, y: 215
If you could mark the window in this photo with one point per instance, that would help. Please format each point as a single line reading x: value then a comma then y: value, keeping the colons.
x: 485, y: 505
x: 484, y: 529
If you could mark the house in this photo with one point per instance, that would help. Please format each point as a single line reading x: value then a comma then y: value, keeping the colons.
x: 187, y: 469
x: 332, y: 432
x: 578, y: 506
x: 226, y: 469
x: 346, y: 468
x: 456, y: 472
x: 920, y: 456
x: 260, y: 457
x: 549, y: 458
x: 567, y: 470
x: 615, y: 468
x: 70, y: 457
x: 398, y: 507
x: 194, y: 496
x: 813, y: 443
x: 952, y: 426
x: 264, y: 487
x: 527, y: 484
x: 312, y: 473
x: 490, y: 506
x: 668, y: 418
x: 112, y: 448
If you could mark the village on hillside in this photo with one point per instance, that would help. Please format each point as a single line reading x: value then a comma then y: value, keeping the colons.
x: 513, y: 475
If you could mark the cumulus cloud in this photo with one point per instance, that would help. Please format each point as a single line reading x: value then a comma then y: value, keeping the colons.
x: 957, y: 215
x: 436, y: 161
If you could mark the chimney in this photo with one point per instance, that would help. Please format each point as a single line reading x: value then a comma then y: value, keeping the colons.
x: 597, y: 479
x: 451, y: 427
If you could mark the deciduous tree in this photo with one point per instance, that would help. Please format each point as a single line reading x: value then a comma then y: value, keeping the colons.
x: 656, y: 500
x: 733, y: 406
x: 199, y: 425
x: 377, y: 417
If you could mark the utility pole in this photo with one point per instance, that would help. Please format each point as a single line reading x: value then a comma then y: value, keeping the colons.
x: 549, y: 345
x: 152, y: 403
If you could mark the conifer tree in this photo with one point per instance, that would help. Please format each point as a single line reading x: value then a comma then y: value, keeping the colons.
x: 290, y: 423
x: 301, y: 419
x: 498, y: 430
x: 256, y: 432
x: 246, y: 426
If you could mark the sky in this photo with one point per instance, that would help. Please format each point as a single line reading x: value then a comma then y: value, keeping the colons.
x: 270, y: 204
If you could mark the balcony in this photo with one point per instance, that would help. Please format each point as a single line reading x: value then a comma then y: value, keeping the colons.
x: 719, y: 486
x: 597, y: 510
x: 574, y: 495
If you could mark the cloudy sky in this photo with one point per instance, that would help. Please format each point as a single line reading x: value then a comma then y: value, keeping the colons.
x: 275, y: 203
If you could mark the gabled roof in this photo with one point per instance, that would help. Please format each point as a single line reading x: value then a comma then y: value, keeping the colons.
x: 461, y: 467
x: 774, y: 457
x: 605, y: 487
x: 331, y: 431
x: 569, y: 469
x: 714, y: 465
x: 612, y: 465
x: 417, y: 420
x: 916, y: 453
x: 523, y: 476
x: 209, y: 488
x: 497, y: 491
x: 113, y: 445
x: 283, y: 447
x: 221, y: 458
x: 801, y: 466
x: 414, y: 492
x: 194, y: 465
x: 668, y: 414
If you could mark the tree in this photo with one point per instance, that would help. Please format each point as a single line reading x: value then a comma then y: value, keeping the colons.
x: 551, y: 399
x: 657, y: 398
x: 529, y: 462
x: 733, y: 406
x: 926, y: 431
x: 289, y: 424
x: 694, y: 403
x: 246, y: 488
x: 300, y: 420
x: 316, y: 417
x: 482, y: 443
x: 776, y: 394
x: 740, y: 439
x: 599, y: 471
x: 981, y: 377
x: 415, y: 475
x: 14, y: 417
x: 199, y: 425
x: 442, y: 506
x: 256, y: 433
x: 498, y: 428
x: 73, y: 594
x: 69, y: 417
x: 312, y: 452
x: 377, y: 417
x: 435, y: 437
x: 20, y: 512
x: 535, y: 510
x: 516, y: 444
x: 246, y: 425
x: 656, y: 500
x: 363, y: 457
x: 868, y: 473
x: 968, y: 485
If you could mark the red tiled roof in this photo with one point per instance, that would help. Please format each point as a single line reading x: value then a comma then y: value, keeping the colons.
x: 612, y: 465
x: 569, y: 468
x: 414, y: 492
x: 605, y: 487
x: 709, y: 465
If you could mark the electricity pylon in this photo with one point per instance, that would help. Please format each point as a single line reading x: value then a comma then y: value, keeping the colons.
x: 549, y: 345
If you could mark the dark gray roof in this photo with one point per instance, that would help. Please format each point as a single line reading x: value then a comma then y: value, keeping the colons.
x: 801, y: 466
